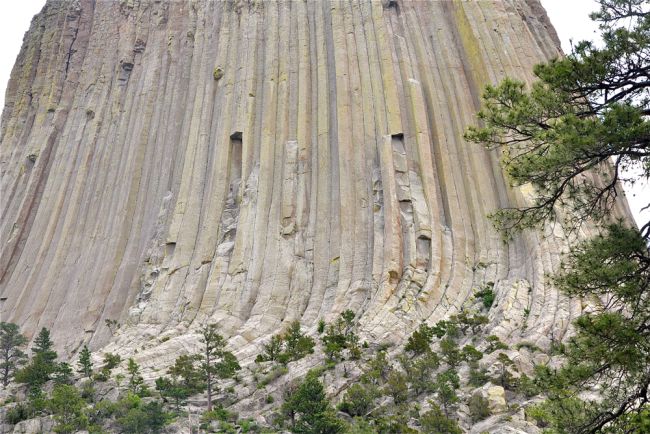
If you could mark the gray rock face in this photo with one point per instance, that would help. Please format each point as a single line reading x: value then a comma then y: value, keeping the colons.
x: 34, y: 426
x: 165, y: 164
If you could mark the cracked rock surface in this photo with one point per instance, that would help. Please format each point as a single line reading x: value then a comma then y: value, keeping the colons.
x: 165, y: 164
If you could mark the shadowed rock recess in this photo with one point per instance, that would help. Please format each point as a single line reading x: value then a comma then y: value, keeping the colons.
x: 167, y: 164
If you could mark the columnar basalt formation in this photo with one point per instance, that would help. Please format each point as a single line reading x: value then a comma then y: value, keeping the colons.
x: 164, y: 164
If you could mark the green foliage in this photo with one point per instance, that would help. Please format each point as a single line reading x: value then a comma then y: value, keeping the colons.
x: 450, y: 352
x: 144, y: 418
x: 62, y: 374
x: 309, y: 409
x: 287, y: 347
x: 445, y: 386
x: 441, y: 327
x: 67, y: 407
x: 420, y: 371
x: 470, y: 354
x: 100, y: 411
x: 464, y: 321
x: 566, y: 416
x: 339, y: 336
x: 37, y: 401
x: 378, y: 368
x: 87, y: 390
x: 360, y: 426
x: 111, y: 361
x: 215, y: 362
x: 477, y: 376
x: 397, y: 386
x: 529, y: 346
x: 395, y: 422
x: 43, y: 345
x: 113, y: 325
x: 43, y: 364
x: 487, y: 296
x: 136, y: 382
x: 321, y: 326
x: 494, y: 344
x: 272, y: 350
x: 11, y: 354
x: 18, y: 413
x: 505, y: 378
x: 297, y: 344
x: 587, y: 115
x: 218, y: 414
x: 359, y: 399
x: 435, y: 421
x: 479, y: 407
x: 420, y: 341
x: 611, y: 347
x: 85, y: 364
x: 275, y: 373
x: 184, y: 380
x: 526, y: 386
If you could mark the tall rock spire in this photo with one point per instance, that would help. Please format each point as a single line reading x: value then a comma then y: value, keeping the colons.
x: 254, y: 162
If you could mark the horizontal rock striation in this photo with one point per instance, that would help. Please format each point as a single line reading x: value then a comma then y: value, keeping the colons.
x: 164, y: 164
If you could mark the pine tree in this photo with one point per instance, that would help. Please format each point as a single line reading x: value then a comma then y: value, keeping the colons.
x: 435, y: 421
x: 310, y: 410
x: 136, y: 382
x: 297, y: 344
x: 11, y: 355
x: 43, y: 346
x: 587, y: 114
x: 184, y: 380
x: 62, y: 373
x: 420, y: 341
x: 43, y: 364
x: 67, y: 407
x: 85, y: 364
x: 216, y: 362
x: 445, y: 385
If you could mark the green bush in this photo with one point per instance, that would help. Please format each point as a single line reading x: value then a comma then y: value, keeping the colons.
x: 67, y: 406
x: 477, y: 376
x: 101, y: 411
x: 310, y: 410
x: 88, y: 391
x: 435, y: 421
x: 420, y: 341
x: 111, y: 361
x: 526, y: 386
x: 486, y: 294
x: 147, y: 418
x: 479, y: 408
x: 218, y: 414
x: 18, y: 413
x: 397, y: 386
x: 359, y: 399
x: 494, y: 344
x: 276, y: 372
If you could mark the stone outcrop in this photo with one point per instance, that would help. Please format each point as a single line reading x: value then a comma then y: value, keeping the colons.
x: 165, y: 164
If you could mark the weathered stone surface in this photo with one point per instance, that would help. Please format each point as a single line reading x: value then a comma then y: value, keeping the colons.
x: 34, y: 426
x: 323, y: 169
x: 496, y: 397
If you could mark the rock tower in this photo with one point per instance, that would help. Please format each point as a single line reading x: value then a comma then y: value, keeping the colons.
x: 165, y: 164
